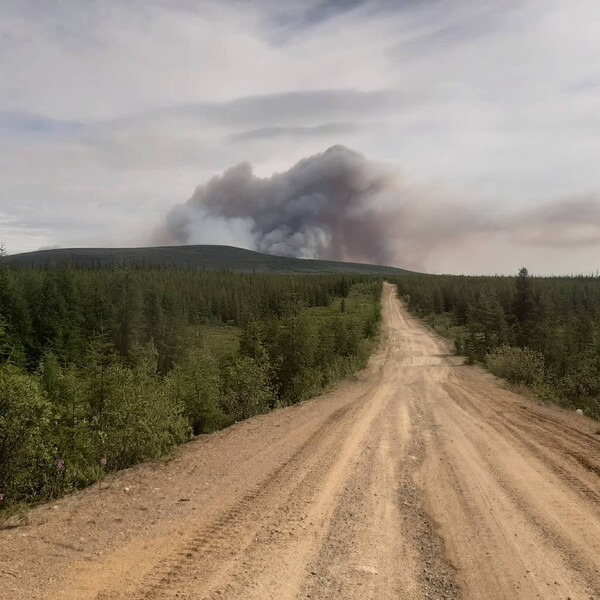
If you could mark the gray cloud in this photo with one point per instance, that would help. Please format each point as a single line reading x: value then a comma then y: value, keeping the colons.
x: 585, y: 85
x: 299, y: 15
x: 305, y: 106
x: 566, y: 223
x: 25, y: 123
x: 267, y: 133
x: 204, y: 132
x: 433, y: 30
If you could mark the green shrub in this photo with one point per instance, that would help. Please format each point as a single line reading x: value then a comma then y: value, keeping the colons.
x: 247, y: 390
x: 25, y: 442
x: 517, y: 365
x: 579, y: 387
x: 74, y: 440
x: 140, y: 419
x: 196, y: 384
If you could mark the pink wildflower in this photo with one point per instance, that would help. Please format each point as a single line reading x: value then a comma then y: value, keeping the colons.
x: 60, y: 465
x: 104, y: 461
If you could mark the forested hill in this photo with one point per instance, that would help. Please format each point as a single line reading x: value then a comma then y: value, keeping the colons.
x: 209, y: 258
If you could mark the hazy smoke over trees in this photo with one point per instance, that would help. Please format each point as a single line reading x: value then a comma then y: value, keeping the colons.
x: 340, y: 206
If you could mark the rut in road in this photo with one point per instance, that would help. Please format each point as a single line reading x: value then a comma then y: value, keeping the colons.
x: 423, y: 478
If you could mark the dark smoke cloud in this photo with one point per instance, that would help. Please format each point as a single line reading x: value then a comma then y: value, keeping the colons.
x: 340, y: 206
x: 326, y: 206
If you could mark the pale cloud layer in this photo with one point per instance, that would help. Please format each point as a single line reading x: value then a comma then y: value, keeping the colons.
x: 111, y: 113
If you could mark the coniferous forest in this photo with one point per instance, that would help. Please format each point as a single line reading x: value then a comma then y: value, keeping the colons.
x: 543, y: 333
x: 101, y: 368
x: 104, y: 368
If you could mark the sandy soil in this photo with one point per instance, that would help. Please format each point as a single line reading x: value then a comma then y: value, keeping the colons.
x: 424, y: 478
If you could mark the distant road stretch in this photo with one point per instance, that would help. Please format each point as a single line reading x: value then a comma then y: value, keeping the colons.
x: 422, y: 479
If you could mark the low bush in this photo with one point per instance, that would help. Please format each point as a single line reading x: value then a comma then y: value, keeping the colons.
x: 516, y: 365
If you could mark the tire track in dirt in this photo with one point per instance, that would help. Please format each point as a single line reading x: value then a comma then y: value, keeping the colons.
x: 234, y: 530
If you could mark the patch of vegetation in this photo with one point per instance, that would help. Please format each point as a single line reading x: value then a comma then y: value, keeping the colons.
x: 517, y: 365
x: 222, y: 340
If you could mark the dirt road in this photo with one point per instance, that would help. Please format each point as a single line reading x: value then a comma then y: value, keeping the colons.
x: 423, y: 479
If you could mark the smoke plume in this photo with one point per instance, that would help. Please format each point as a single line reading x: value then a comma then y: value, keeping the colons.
x: 325, y: 206
x: 338, y: 205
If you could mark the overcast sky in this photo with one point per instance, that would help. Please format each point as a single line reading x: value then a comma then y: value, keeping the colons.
x: 112, y: 112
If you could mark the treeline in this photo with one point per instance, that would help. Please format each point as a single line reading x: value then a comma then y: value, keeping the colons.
x: 540, y: 332
x: 101, y: 369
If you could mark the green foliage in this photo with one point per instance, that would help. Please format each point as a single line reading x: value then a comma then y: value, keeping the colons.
x: 195, y: 383
x: 517, y: 365
x: 73, y: 440
x: 4, y: 344
x: 292, y: 351
x: 103, y: 368
x: 25, y: 443
x: 246, y: 389
x: 140, y: 420
x: 581, y: 386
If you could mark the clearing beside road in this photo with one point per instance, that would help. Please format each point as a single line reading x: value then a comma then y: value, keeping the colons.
x: 422, y: 479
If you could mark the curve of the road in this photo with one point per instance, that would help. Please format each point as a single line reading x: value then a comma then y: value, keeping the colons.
x: 423, y: 478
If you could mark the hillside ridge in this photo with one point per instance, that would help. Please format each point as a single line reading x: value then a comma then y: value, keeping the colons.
x: 205, y: 257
